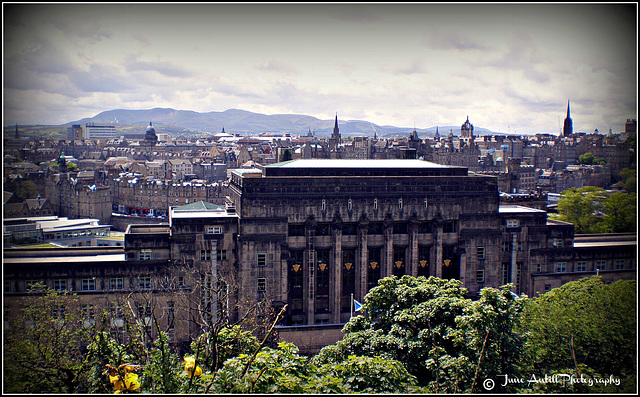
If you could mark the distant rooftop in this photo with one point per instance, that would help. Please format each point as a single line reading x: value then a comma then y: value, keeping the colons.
x: 355, y: 163
x: 200, y: 206
x: 361, y: 168
x: 200, y: 209
x: 517, y: 209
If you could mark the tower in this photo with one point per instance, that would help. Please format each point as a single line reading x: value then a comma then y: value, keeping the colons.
x: 336, y: 131
x: 150, y: 137
x: 568, y: 123
x: 466, y: 131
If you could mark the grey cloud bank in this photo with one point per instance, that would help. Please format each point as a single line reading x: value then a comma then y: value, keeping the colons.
x: 510, y: 67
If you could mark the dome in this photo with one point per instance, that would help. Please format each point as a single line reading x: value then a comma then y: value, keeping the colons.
x: 150, y: 128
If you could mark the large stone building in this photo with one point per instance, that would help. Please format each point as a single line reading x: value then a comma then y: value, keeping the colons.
x: 312, y: 234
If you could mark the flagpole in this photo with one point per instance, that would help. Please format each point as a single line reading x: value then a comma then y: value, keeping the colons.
x: 351, y: 305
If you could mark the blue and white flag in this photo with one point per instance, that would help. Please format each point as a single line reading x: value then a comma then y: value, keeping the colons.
x: 357, y: 305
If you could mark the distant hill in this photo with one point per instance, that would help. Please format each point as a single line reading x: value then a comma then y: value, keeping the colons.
x: 235, y: 121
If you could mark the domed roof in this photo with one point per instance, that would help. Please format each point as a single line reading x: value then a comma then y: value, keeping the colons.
x: 150, y: 128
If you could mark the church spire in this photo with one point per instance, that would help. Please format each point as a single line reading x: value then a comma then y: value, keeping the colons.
x: 336, y: 131
x: 568, y: 123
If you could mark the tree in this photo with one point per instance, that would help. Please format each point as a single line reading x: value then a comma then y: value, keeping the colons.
x: 43, y: 347
x: 589, y: 159
x: 594, y: 210
x: 628, y: 180
x: 27, y: 190
x: 582, y: 207
x: 434, y: 331
x: 620, y: 213
x: 584, y: 326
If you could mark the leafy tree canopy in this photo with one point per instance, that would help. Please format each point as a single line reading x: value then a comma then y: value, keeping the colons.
x: 584, y: 325
x: 594, y: 210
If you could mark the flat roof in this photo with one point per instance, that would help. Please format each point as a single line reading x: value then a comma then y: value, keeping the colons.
x: 66, y: 259
x: 516, y: 209
x: 597, y: 244
x: 356, y: 163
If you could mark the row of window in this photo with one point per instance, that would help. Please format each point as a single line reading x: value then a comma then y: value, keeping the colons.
x: 375, y: 204
x: 583, y: 266
x: 90, y: 283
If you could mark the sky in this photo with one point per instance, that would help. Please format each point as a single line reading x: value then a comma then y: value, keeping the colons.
x: 510, y: 68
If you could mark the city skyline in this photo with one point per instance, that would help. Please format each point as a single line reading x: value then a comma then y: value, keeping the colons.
x: 510, y: 67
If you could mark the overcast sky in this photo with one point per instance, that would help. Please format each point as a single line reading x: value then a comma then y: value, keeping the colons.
x: 509, y: 68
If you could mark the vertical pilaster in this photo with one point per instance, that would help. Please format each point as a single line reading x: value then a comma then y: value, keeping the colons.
x: 362, y: 262
x: 335, y: 285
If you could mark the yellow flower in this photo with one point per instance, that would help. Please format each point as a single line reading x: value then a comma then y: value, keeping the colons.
x: 117, y: 383
x: 190, y: 362
x: 131, y: 382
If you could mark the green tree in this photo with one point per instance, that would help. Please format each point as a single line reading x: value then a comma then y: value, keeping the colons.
x: 582, y: 207
x: 620, y: 213
x: 43, y: 347
x: 584, y: 326
x: 586, y: 158
x: 628, y: 180
x: 434, y: 331
x: 27, y: 190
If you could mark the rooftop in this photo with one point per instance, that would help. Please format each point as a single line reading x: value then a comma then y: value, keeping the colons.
x: 355, y: 163
x: 518, y: 209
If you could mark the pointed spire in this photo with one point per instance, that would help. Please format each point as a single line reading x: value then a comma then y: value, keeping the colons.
x: 568, y: 112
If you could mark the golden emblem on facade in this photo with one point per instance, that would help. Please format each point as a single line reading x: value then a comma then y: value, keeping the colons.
x: 348, y: 265
x: 423, y: 263
x: 322, y: 266
x: 373, y: 265
x: 447, y: 262
x: 296, y: 268
x: 398, y: 264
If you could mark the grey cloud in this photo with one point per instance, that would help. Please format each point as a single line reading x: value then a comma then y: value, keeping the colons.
x: 277, y: 67
x: 102, y: 78
x: 414, y: 67
x: 452, y: 41
x: 165, y: 68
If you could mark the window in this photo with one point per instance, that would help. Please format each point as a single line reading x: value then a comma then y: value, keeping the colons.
x: 144, y: 282
x: 601, y: 265
x: 400, y: 203
x: 349, y: 205
x: 558, y: 242
x: 375, y: 204
x: 561, y: 267
x: 581, y: 266
x: 262, y: 284
x: 60, y: 284
x: 506, y: 267
x: 116, y: 283
x: 213, y: 230
x: 426, y: 203
x: 547, y: 287
x: 513, y: 222
x: 221, y: 255
x: 57, y: 312
x: 205, y: 255
x: 88, y: 284
x: 480, y: 276
x: 262, y: 259
x: 480, y: 252
x: 618, y: 264
x: 180, y: 281
x: 88, y: 315
x: 29, y: 284
x: 324, y: 205
x: 144, y: 255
